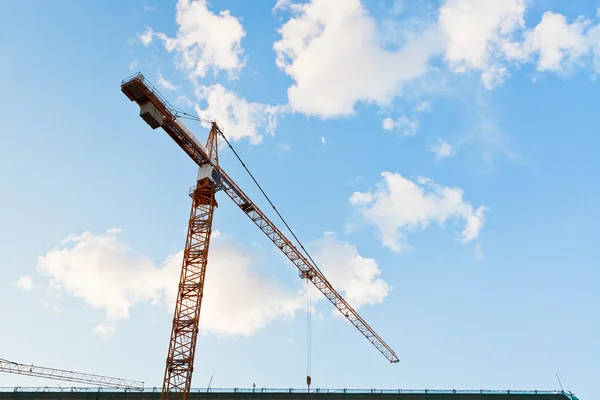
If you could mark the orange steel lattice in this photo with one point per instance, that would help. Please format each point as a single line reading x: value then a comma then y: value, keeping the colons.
x: 182, y: 348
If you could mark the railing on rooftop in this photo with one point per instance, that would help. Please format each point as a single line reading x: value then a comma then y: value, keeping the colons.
x: 568, y: 394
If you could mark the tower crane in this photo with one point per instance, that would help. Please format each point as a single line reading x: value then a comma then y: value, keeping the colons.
x: 157, y: 112
x: 70, y: 376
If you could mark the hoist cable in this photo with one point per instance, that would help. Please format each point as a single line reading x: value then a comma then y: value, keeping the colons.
x: 308, y: 329
x: 183, y: 114
x: 314, y: 264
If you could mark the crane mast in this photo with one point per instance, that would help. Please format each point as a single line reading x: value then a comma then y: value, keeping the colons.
x: 70, y: 376
x: 182, y: 347
x: 157, y: 112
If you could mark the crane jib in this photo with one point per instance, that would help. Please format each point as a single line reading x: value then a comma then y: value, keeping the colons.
x: 162, y: 114
x: 69, y: 376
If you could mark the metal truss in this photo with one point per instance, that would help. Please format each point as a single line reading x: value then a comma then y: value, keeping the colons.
x: 182, y: 347
x: 69, y: 376
x: 306, y: 268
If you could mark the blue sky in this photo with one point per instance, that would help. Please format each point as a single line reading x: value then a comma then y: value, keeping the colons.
x: 438, y: 159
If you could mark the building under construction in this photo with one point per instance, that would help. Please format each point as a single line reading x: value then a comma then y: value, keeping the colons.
x: 80, y: 393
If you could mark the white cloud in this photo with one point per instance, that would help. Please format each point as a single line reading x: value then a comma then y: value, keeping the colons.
x: 323, y: 140
x: 147, y: 36
x: 490, y: 36
x: 476, y: 29
x: 204, y: 40
x: 109, y: 276
x: 161, y: 82
x: 106, y: 273
x: 238, y: 117
x: 479, y: 34
x: 474, y: 224
x: 398, y: 205
x: 442, y: 149
x: 238, y: 300
x: 25, y: 283
x: 331, y: 49
x: 361, y: 198
x: 354, y: 276
x: 557, y: 42
x: 133, y: 64
x: 405, y: 125
x: 388, y: 124
x: 282, y: 5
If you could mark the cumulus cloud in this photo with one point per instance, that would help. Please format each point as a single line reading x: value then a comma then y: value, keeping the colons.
x: 490, y: 36
x: 398, y: 205
x: 204, y: 40
x: 356, y: 277
x: 110, y: 276
x: 558, y: 43
x: 104, y: 272
x: 331, y: 49
x: 476, y: 29
x: 441, y: 150
x: 239, y: 118
x: 25, y: 283
x: 336, y: 54
x: 238, y: 300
